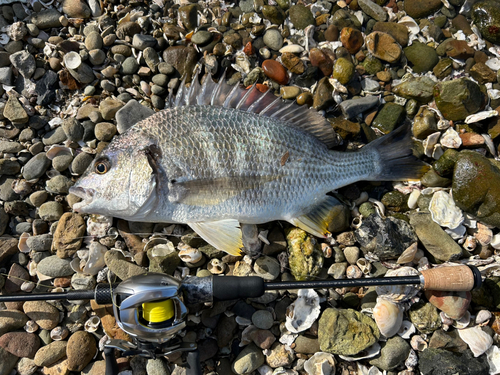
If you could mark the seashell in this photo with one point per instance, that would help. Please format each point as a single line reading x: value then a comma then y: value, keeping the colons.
x: 364, y: 265
x: 411, y: 362
x: 470, y: 243
x: 77, y: 265
x: 478, y: 340
x: 303, y: 312
x: 57, y: 150
x: 495, y: 241
x: 92, y: 324
x: 146, y: 88
x: 95, y: 261
x: 72, y: 60
x: 479, y: 116
x: 160, y: 246
x: 327, y: 250
x: 388, y: 316
x: 484, y: 234
x: 363, y: 197
x: 413, y: 198
x: 292, y: 48
x: 351, y: 254
x: 463, y: 322
x: 320, y: 364
x: 22, y: 187
x: 418, y: 343
x: 28, y: 286
x: 446, y: 319
x: 493, y: 63
x: 444, y: 211
x: 379, y: 206
x: 451, y: 139
x: 409, y: 254
x: 32, y: 268
x: 216, y: 266
x: 399, y: 293
x: 42, y: 277
x: 356, y: 222
x: 369, y: 352
x: 493, y: 358
x: 22, y: 245
x: 189, y: 254
x: 407, y: 329
x: 437, y: 152
x: 410, y: 23
x: 483, y: 317
x: 353, y: 272
x: 457, y: 233
x: 59, y: 333
x: 98, y: 225
x: 430, y: 142
x: 31, y: 326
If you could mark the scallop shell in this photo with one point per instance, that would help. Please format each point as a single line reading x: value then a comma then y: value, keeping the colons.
x: 351, y: 254
x: 216, y: 266
x: 72, y: 60
x: 388, y: 316
x: 484, y: 234
x: 364, y: 265
x: 59, y: 333
x: 478, y: 340
x: 399, y: 293
x: 95, y: 261
x: 31, y: 326
x: 451, y: 139
x: 418, y: 343
x: 444, y: 211
x: 407, y: 329
x: 92, y: 324
x: 22, y: 245
x: 409, y: 254
x: 303, y: 312
x: 320, y: 364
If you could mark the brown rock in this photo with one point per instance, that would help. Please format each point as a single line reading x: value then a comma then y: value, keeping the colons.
x: 454, y: 304
x: 383, y: 46
x: 263, y: 338
x: 482, y: 73
x: 345, y: 128
x: 69, y: 234
x: 76, y: 9
x: 111, y: 328
x: 351, y: 39
x: 449, y: 340
x: 332, y: 33
x: 134, y: 243
x: 459, y: 49
x: 80, y: 350
x: 182, y: 58
x: 58, y: 368
x: 321, y: 60
x: 275, y: 71
x: 421, y: 8
x: 62, y: 282
x: 461, y: 23
x: 84, y: 111
x: 43, y: 313
x: 292, y: 63
x: 97, y: 368
x: 471, y: 139
x: 21, y: 344
x: 49, y: 354
x: 17, y: 276
x: 396, y: 30
x: 8, y: 247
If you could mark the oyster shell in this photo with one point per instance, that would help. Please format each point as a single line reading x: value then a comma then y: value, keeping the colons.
x: 493, y: 358
x: 320, y: 364
x: 95, y: 261
x: 303, y: 312
x: 478, y: 340
x: 444, y: 211
x: 388, y: 316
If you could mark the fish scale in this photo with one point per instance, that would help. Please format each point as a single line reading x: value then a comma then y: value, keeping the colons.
x: 216, y: 166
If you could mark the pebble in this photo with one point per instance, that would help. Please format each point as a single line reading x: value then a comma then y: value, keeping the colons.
x: 109, y: 107
x: 69, y: 234
x: 8, y: 361
x: 53, y: 266
x: 280, y: 356
x: 80, y: 350
x: 383, y: 46
x: 21, y: 344
x: 275, y: 71
x: 142, y: 42
x: 458, y: 98
x: 249, y: 359
x: 373, y: 10
x: 50, y: 211
x: 43, y: 313
x: 116, y: 262
x: 24, y: 62
x: 273, y: 39
x: 352, y: 39
x: 301, y: 16
x: 93, y: 41
x: 393, y: 353
x: 321, y: 60
x: 433, y: 361
x: 263, y: 319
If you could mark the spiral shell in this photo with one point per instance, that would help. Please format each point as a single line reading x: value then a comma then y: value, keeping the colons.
x: 353, y: 272
x: 190, y: 255
x: 92, y: 324
x: 364, y: 265
x: 418, y: 343
x: 216, y: 266
x: 59, y: 333
x: 31, y: 326
x: 388, y: 316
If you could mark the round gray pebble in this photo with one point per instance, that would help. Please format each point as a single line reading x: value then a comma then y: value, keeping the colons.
x: 62, y: 162
x: 81, y: 162
x: 267, y: 268
x: 104, y: 131
x: 36, y: 167
x: 273, y: 39
x: 129, y: 65
x: 93, y: 41
x: 59, y: 184
x: 263, y: 319
x: 50, y: 211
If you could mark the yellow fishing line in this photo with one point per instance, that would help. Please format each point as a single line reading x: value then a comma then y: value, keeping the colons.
x: 159, y: 311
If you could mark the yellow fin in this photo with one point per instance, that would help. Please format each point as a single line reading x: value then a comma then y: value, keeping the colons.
x: 224, y: 235
x: 317, y: 219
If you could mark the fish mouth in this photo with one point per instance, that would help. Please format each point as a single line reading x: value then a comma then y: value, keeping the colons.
x: 87, y: 196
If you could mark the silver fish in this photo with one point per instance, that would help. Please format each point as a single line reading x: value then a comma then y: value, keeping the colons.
x: 224, y: 155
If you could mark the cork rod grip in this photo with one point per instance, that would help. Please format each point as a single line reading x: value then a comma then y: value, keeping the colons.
x: 450, y: 279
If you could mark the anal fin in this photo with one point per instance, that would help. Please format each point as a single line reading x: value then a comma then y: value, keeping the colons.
x: 224, y: 235
x: 317, y: 219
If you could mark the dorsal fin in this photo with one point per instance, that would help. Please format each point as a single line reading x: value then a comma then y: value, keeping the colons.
x: 252, y: 100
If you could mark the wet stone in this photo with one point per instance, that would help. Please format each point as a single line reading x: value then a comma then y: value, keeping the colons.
x: 392, y: 354
x: 425, y: 317
x: 421, y: 8
x: 389, y: 117
x: 301, y: 16
x: 458, y: 98
x: 449, y: 340
x: 422, y: 57
x: 443, y: 362
x: 486, y: 16
x: 275, y: 71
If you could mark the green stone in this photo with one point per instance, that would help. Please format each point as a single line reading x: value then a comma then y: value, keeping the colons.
x: 424, y: 124
x: 458, y: 98
x: 301, y: 16
x: 389, y: 117
x: 486, y: 15
x: 189, y: 16
x: 419, y: 88
x: 446, y: 163
x: 422, y: 57
x: 274, y: 14
x: 411, y: 107
x: 395, y: 201
x: 305, y: 256
x: 425, y: 317
x: 342, y: 18
x: 443, y: 68
x: 432, y: 179
x: 476, y: 187
x: 343, y: 70
x: 346, y: 332
x: 372, y: 65
x: 284, y: 4
x: 366, y: 209
x: 163, y: 259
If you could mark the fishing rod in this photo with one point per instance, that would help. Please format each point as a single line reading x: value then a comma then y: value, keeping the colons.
x: 151, y: 308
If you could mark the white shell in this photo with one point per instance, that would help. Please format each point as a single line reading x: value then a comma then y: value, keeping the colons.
x: 22, y: 245
x: 413, y: 198
x: 216, y: 266
x: 399, y: 293
x: 418, y: 343
x: 444, y: 211
x: 92, y: 324
x: 478, y: 340
x: 407, y: 329
x: 28, y: 286
x: 480, y: 116
x: 77, y: 264
x: 451, y: 139
x: 493, y: 358
x: 95, y: 261
x: 364, y: 265
x: 72, y: 60
x: 59, y: 333
x: 369, y: 352
x: 303, y: 312
x: 430, y: 142
x: 495, y: 241
x: 483, y: 317
x: 410, y: 24
x: 353, y: 272
x: 189, y: 254
x: 493, y: 63
x: 320, y: 364
x: 484, y: 234
x: 293, y: 48
x: 388, y: 316
x: 31, y: 326
x: 409, y: 254
x: 57, y: 150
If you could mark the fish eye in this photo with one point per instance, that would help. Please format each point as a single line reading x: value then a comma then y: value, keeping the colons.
x: 102, y: 166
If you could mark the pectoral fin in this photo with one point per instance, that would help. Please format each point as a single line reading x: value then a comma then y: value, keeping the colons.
x: 224, y: 235
x: 317, y: 219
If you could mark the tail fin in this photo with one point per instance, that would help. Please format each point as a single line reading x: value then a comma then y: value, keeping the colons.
x: 396, y: 158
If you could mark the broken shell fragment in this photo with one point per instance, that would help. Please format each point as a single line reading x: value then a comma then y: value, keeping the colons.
x: 493, y: 358
x: 31, y: 326
x: 216, y: 266
x: 451, y: 139
x: 430, y: 142
x: 72, y: 60
x: 57, y: 150
x: 483, y: 317
x: 353, y: 272
x: 478, y: 340
x: 189, y: 254
x: 98, y: 225
x: 444, y: 211
x: 388, y: 316
x: 22, y: 245
x: 418, y: 343
x: 399, y: 293
x: 320, y: 364
x: 484, y: 234
x: 364, y: 265
x: 408, y: 255
x: 59, y: 333
x: 92, y: 324
x: 303, y: 312
x: 407, y: 329
x: 95, y: 261
x: 369, y: 352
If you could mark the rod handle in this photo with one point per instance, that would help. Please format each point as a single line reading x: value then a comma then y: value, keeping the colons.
x: 226, y: 288
x: 452, y: 279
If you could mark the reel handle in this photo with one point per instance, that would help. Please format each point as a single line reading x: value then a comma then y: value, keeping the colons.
x: 452, y: 279
x: 111, y: 365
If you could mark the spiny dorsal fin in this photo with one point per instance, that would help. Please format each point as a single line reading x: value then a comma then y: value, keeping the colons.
x: 252, y: 100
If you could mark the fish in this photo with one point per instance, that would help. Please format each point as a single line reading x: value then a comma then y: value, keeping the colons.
x: 221, y: 156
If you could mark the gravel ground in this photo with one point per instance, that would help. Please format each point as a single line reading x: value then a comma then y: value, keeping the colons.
x: 75, y: 73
